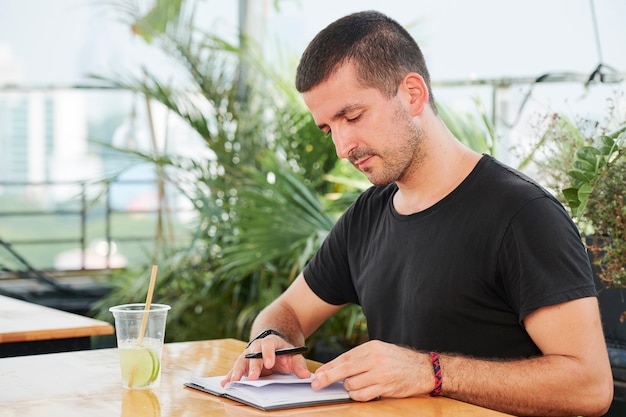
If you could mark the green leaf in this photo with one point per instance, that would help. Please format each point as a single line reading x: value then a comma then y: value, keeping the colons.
x: 579, y: 177
x: 588, y: 154
x: 162, y: 14
x: 571, y: 196
x: 619, y: 134
x: 585, y: 166
x: 607, y: 145
x: 584, y: 192
x: 583, y: 196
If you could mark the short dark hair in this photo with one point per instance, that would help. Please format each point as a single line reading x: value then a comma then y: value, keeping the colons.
x: 382, y: 51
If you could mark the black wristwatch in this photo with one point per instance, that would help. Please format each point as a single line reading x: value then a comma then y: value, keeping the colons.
x: 265, y: 333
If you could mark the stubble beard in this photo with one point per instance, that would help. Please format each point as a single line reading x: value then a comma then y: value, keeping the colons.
x: 400, y: 163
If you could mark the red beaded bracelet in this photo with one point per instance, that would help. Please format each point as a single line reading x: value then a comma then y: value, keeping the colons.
x: 434, y: 358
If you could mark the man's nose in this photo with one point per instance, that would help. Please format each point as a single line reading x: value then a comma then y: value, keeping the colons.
x: 344, y: 143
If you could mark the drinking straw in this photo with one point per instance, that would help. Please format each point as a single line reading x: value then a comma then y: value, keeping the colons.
x: 144, y: 320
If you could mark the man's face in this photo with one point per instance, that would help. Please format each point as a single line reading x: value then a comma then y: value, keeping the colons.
x: 375, y: 133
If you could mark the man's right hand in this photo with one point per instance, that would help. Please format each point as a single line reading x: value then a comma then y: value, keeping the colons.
x: 269, y: 363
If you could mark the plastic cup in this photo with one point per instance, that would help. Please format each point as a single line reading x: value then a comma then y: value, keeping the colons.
x: 140, y: 360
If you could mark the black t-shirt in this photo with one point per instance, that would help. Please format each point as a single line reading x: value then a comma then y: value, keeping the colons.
x: 460, y: 276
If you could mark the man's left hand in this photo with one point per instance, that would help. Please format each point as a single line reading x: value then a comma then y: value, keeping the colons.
x: 378, y: 369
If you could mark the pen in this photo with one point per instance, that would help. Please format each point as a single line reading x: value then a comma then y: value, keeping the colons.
x: 288, y: 351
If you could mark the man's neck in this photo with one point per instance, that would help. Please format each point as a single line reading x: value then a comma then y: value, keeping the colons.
x: 437, y: 177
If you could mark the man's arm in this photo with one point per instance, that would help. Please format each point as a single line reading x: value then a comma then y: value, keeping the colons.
x: 295, y: 314
x: 572, y: 377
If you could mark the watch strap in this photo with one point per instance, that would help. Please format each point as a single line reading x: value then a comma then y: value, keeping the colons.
x: 264, y: 334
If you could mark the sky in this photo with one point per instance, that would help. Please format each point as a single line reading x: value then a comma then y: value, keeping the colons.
x: 62, y: 42
x: 489, y: 38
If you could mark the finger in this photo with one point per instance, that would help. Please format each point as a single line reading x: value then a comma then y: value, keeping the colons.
x: 288, y: 364
x: 365, y: 394
x: 360, y: 390
x: 269, y: 354
x: 226, y: 379
x: 299, y: 366
x: 238, y: 370
x: 338, y: 361
x: 255, y: 367
x: 293, y: 364
x: 359, y: 382
x: 326, y: 377
x: 338, y: 369
x: 261, y: 366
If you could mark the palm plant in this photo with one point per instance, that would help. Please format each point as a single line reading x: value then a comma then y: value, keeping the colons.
x: 266, y: 199
x: 260, y: 200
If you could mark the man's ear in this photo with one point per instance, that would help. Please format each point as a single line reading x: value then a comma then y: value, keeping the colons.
x: 415, y: 87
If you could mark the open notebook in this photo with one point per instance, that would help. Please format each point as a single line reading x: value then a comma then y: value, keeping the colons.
x: 272, y: 392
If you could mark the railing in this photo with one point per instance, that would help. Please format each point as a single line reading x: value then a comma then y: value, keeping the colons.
x: 89, y: 212
x: 504, y: 98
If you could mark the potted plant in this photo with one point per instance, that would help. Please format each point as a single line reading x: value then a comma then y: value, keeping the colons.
x: 597, y: 196
x: 589, y: 170
x: 585, y: 164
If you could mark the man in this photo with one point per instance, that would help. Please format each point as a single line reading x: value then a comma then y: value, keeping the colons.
x: 473, y: 279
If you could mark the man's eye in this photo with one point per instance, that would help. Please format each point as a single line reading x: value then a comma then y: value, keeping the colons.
x: 353, y: 119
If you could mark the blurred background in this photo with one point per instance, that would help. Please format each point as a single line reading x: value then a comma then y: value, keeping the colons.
x: 52, y: 115
x: 169, y: 132
x: 135, y: 132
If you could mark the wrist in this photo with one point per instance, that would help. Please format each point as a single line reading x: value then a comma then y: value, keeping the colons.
x: 264, y: 334
x: 438, y: 376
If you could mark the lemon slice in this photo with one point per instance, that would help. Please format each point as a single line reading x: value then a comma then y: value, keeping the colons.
x: 156, y: 366
x: 140, y: 366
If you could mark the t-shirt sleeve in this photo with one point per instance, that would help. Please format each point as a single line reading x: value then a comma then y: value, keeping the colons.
x: 328, y: 272
x: 543, y: 260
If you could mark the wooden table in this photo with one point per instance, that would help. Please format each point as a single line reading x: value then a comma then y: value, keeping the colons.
x: 27, y: 328
x: 88, y: 383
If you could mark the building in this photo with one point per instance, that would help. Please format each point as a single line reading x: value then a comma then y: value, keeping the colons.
x: 43, y: 138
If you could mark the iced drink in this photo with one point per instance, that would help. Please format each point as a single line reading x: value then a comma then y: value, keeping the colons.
x: 140, y: 357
